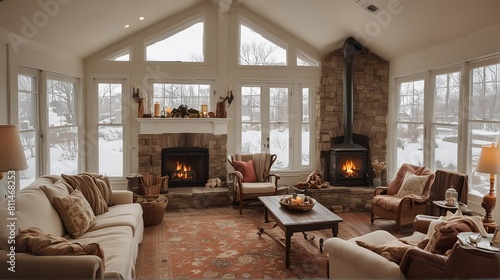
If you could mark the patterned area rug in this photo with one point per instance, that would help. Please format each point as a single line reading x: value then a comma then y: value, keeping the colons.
x: 217, y: 243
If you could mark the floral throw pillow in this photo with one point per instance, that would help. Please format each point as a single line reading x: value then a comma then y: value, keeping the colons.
x: 412, y: 184
x: 75, y: 212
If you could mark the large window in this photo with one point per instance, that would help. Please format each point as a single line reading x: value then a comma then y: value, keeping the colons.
x: 410, y: 122
x: 191, y: 94
x: 62, y: 127
x: 110, y: 122
x: 27, y: 98
x: 445, y: 120
x: 459, y: 117
x: 48, y: 124
x: 184, y: 44
x: 484, y: 118
x: 259, y: 48
x: 269, y: 115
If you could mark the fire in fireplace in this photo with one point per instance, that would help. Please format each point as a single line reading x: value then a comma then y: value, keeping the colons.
x: 348, y: 160
x: 185, y: 166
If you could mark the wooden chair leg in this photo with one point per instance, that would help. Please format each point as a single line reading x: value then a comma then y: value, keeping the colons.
x: 372, y: 218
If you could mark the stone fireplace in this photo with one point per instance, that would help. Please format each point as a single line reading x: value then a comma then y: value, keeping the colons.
x: 160, y: 135
x: 360, y: 127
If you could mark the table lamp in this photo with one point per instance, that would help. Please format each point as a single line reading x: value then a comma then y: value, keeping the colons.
x: 12, y: 156
x: 489, y: 162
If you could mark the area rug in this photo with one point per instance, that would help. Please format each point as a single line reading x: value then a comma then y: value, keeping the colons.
x: 217, y: 243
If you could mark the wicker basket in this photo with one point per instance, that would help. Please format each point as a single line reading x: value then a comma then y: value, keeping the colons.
x: 153, y: 190
x: 153, y: 208
x: 287, y: 203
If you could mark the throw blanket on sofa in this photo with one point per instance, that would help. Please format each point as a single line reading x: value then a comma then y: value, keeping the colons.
x: 35, y: 241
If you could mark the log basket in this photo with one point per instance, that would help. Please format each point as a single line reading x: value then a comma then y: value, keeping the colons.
x: 153, y: 208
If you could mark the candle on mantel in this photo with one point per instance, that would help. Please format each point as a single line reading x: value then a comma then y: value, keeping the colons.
x: 169, y: 112
x: 204, y: 110
x: 157, y: 109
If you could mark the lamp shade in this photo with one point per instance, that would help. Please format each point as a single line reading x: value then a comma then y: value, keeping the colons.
x: 12, y: 156
x: 489, y: 160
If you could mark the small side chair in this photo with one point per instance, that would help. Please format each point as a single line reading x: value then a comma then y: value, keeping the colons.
x: 252, y: 177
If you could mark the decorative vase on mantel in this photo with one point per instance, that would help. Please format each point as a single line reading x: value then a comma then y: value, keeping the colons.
x: 377, y: 182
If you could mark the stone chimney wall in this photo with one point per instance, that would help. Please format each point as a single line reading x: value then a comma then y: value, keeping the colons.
x: 371, y: 101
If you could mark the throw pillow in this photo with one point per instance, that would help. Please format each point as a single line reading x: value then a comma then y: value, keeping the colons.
x: 34, y: 241
x: 393, y: 250
x: 247, y: 170
x: 412, y: 184
x: 75, y: 212
x: 87, y: 186
x: 104, y: 186
x: 56, y: 189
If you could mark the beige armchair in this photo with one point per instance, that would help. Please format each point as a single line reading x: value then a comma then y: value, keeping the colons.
x: 393, y: 203
x: 252, y: 177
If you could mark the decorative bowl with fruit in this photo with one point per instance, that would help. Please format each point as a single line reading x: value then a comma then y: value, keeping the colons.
x: 298, y: 203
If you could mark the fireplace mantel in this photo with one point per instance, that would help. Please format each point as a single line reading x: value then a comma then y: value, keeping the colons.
x: 215, y: 126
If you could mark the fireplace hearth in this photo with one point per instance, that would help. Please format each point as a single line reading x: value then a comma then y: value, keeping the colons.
x: 185, y: 166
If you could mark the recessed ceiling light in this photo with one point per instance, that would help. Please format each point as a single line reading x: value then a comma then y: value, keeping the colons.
x: 141, y: 18
x: 127, y: 26
x: 372, y: 9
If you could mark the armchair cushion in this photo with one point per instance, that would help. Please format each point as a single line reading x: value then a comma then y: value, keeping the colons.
x: 388, y: 202
x: 258, y: 188
x: 412, y: 184
x: 247, y: 170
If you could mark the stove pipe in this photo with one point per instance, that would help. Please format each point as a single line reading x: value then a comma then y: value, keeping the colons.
x: 351, y: 47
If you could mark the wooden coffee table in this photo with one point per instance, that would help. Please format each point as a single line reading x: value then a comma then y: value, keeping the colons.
x: 291, y: 221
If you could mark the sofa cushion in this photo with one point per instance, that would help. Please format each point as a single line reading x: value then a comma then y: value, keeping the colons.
x: 119, y: 248
x: 33, y: 209
x: 393, y: 250
x: 76, y: 213
x: 87, y: 186
x: 247, y: 170
x: 35, y: 241
x: 412, y: 184
x: 120, y: 215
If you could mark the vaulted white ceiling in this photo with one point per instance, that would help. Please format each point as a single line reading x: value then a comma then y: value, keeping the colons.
x: 83, y: 27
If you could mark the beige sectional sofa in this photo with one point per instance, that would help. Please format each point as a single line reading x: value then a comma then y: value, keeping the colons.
x: 118, y: 231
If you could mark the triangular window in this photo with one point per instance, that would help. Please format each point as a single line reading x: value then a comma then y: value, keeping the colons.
x: 258, y: 48
x: 123, y: 55
x: 185, y: 44
x: 305, y: 60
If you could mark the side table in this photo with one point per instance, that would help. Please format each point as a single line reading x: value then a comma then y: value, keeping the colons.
x: 442, y: 207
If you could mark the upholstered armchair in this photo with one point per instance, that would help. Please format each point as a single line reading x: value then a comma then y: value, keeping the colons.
x: 252, y: 177
x: 405, y: 197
